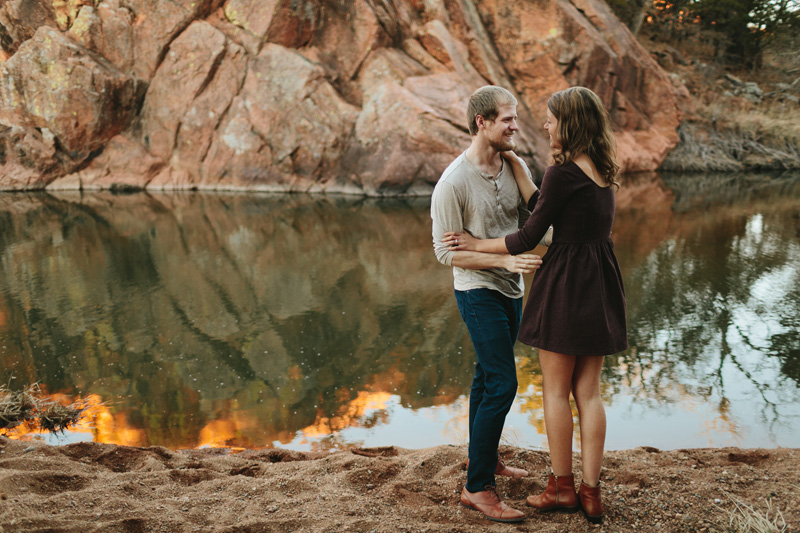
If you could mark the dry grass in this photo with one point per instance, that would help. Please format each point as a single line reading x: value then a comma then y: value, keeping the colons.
x: 56, y: 418
x: 745, y: 518
x: 17, y: 407
x: 772, y: 123
x: 29, y: 406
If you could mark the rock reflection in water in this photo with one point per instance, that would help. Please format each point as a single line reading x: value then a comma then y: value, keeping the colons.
x: 250, y: 320
x: 228, y: 319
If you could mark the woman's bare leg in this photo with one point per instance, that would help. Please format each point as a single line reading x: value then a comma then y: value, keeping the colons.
x: 586, y: 391
x: 557, y: 376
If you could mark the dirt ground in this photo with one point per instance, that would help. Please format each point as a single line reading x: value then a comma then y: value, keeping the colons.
x: 89, y: 487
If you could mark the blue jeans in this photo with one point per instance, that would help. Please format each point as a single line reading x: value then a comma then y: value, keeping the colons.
x: 493, y: 323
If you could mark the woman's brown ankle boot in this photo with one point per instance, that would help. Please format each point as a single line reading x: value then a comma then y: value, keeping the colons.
x: 558, y: 496
x: 590, y: 503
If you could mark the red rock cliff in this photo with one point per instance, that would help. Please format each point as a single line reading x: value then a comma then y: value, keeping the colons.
x: 364, y: 97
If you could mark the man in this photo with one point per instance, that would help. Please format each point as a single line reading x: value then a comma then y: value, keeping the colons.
x: 477, y: 194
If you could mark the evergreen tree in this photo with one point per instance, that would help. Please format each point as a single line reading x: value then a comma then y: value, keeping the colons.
x: 741, y: 29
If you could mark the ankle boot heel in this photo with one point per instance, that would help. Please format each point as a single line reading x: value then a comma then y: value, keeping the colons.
x: 591, y: 505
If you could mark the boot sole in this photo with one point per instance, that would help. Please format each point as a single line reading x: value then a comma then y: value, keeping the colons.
x: 503, y: 520
x: 569, y: 510
x: 556, y: 508
x: 594, y: 519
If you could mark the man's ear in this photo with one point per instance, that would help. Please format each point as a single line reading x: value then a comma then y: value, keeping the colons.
x: 480, y: 121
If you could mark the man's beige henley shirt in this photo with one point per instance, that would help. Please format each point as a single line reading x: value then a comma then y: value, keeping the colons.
x: 487, y: 207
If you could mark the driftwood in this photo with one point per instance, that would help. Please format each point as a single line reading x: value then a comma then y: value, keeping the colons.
x: 30, y: 407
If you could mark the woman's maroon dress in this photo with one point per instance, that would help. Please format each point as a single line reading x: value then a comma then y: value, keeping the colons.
x: 577, y: 302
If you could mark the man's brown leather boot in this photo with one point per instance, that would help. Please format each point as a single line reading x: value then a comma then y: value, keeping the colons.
x: 509, y: 471
x: 503, y: 469
x: 489, y: 503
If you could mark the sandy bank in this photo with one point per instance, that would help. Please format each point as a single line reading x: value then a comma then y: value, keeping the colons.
x: 98, y: 487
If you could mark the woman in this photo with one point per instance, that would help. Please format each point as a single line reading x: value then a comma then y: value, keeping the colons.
x: 575, y: 314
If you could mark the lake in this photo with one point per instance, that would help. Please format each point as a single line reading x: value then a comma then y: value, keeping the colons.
x: 314, y: 322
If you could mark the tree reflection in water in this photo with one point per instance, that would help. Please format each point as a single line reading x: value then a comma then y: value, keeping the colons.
x: 714, y: 307
x: 251, y: 320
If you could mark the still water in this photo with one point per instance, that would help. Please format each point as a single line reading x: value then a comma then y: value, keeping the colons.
x: 241, y: 320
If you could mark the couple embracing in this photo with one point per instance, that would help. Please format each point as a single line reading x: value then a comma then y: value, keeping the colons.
x: 487, y: 213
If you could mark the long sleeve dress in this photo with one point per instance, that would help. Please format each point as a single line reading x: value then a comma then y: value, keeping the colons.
x: 577, y: 301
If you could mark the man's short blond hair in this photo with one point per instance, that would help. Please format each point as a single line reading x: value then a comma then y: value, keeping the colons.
x: 485, y: 102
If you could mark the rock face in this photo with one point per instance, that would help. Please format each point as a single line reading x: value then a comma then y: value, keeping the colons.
x: 364, y: 97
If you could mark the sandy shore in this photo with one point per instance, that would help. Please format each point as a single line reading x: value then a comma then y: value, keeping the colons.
x: 89, y: 487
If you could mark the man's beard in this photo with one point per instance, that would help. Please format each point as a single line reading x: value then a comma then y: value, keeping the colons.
x: 503, y: 146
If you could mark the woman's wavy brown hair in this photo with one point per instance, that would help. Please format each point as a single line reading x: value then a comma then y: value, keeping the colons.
x: 584, y: 127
